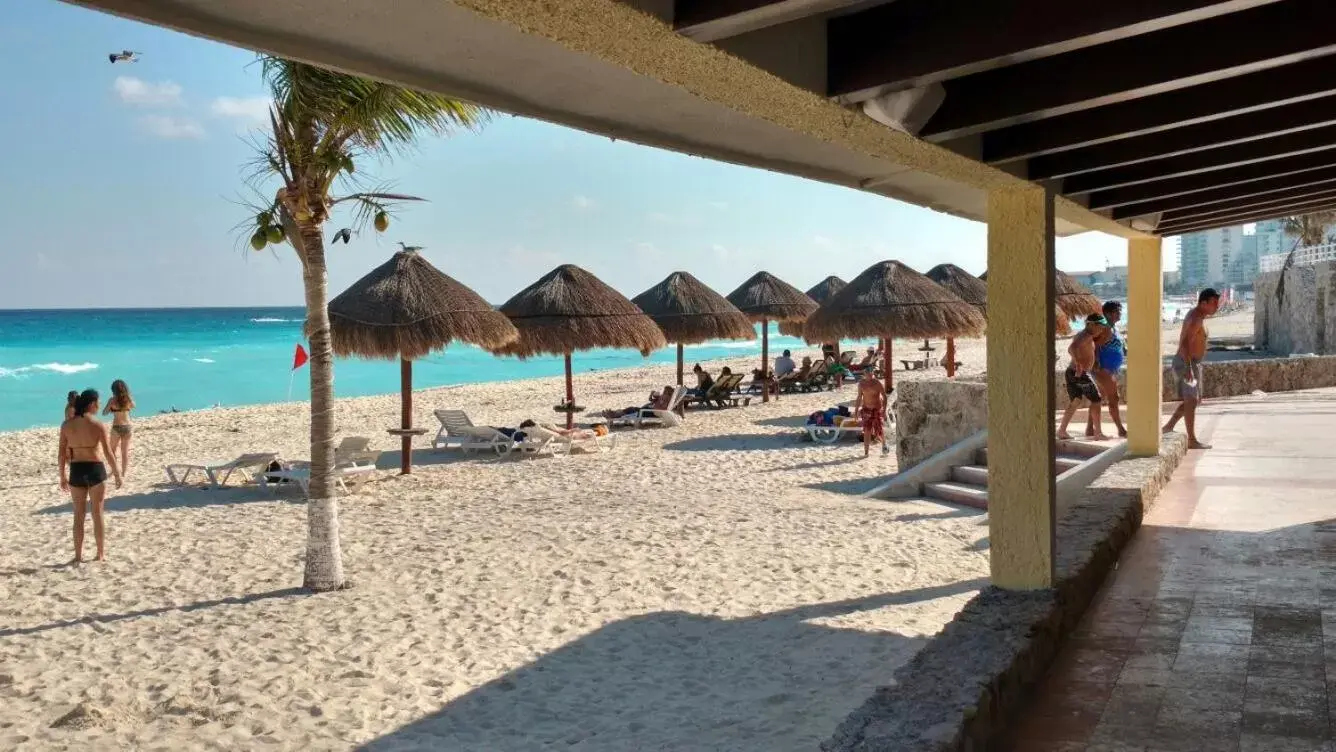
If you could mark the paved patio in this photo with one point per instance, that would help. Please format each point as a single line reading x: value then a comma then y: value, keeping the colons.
x: 1210, y: 634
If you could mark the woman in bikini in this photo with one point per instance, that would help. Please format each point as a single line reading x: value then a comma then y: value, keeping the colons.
x: 83, y: 443
x: 120, y: 405
x: 69, y: 404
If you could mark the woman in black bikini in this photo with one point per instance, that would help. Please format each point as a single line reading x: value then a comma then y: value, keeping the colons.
x: 120, y: 405
x: 83, y: 442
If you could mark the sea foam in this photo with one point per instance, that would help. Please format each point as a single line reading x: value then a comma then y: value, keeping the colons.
x: 267, y: 320
x: 65, y: 368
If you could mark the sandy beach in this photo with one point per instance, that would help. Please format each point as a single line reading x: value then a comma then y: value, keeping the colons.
x: 719, y: 585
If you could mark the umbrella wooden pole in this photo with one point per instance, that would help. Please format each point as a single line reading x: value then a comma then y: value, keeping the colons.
x: 570, y: 395
x: 950, y: 357
x: 406, y: 415
x: 765, y: 359
x: 679, y: 364
x: 886, y: 366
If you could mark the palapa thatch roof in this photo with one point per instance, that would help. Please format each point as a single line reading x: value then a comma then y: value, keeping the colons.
x: 820, y: 292
x: 406, y: 308
x: 1074, y: 298
x: 891, y: 300
x: 689, y: 312
x: 966, y: 286
x: 570, y: 309
x: 766, y: 297
x: 1062, y: 318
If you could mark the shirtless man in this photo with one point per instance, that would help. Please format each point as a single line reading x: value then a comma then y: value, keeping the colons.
x: 871, y: 410
x: 1080, y: 385
x: 1187, y: 364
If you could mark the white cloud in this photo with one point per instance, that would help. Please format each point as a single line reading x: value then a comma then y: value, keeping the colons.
x: 584, y: 203
x: 166, y: 126
x: 720, y: 252
x: 821, y: 241
x: 142, y: 93
x: 251, y: 110
x: 647, y: 252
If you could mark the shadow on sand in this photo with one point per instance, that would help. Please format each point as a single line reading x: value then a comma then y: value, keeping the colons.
x: 734, y: 442
x: 680, y: 681
x: 109, y: 618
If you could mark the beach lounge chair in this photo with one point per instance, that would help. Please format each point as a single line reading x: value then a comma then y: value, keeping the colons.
x: 353, y: 458
x: 563, y: 444
x: 721, y: 394
x: 218, y: 473
x: 831, y: 434
x: 648, y: 417
x: 458, y: 432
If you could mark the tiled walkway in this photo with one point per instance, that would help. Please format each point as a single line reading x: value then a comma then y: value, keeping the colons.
x: 1210, y: 635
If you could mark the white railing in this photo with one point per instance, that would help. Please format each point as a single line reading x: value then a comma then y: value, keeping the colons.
x: 1303, y: 257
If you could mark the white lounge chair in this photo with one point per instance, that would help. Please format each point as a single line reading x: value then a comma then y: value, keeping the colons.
x: 563, y: 444
x: 667, y: 418
x: 217, y: 474
x: 458, y: 432
x: 353, y: 458
x: 832, y: 434
x: 537, y: 440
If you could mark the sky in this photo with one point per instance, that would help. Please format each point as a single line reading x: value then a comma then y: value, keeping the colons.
x: 124, y: 184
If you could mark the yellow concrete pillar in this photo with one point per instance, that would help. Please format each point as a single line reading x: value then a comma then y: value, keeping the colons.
x: 1021, y: 484
x: 1144, y: 360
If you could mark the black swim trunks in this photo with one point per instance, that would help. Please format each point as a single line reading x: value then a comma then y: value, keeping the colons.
x: 87, y: 474
x: 1081, y: 387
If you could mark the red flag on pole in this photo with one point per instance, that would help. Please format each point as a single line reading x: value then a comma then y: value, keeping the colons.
x: 299, y: 358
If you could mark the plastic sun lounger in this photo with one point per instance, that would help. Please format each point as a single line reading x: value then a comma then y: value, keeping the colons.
x: 458, y: 432
x: 667, y: 417
x: 302, y: 476
x: 832, y: 434
x: 219, y: 473
x: 562, y: 444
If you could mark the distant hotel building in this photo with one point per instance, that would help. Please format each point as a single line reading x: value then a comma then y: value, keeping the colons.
x: 1223, y: 257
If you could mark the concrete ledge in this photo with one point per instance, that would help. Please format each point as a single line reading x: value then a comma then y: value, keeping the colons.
x: 969, y: 682
x: 1072, y: 482
x: 935, y: 469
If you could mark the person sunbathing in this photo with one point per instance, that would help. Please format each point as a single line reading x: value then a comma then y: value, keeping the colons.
x: 571, y: 433
x: 657, y: 401
x: 799, y: 376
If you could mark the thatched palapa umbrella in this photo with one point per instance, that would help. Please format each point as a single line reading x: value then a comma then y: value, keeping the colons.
x: 1072, y: 300
x: 765, y: 298
x: 570, y: 309
x: 406, y: 308
x: 689, y: 312
x: 891, y: 300
x: 968, y: 288
x: 820, y: 293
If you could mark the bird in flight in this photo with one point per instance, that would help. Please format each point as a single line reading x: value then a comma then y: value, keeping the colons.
x: 346, y: 235
x: 413, y: 248
x: 124, y: 56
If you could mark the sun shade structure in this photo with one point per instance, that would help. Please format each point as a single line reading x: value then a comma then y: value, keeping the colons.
x: 689, y: 312
x: 569, y: 310
x: 819, y: 293
x: 968, y: 288
x: 765, y: 298
x: 406, y: 308
x: 891, y: 300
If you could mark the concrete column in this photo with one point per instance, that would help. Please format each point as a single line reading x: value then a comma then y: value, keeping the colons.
x: 1021, y: 483
x: 1144, y: 360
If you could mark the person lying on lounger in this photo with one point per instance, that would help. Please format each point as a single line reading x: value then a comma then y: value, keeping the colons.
x: 657, y: 401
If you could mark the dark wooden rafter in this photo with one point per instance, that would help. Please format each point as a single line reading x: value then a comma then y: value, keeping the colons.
x: 1175, y: 58
x: 1116, y: 197
x: 910, y: 43
x: 1250, y: 152
x: 1245, y: 218
x: 1226, y: 193
x: 712, y: 20
x: 1269, y: 201
x: 1271, y: 122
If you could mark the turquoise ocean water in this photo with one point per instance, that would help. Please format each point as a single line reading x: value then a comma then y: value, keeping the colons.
x: 200, y: 357
x: 194, y: 358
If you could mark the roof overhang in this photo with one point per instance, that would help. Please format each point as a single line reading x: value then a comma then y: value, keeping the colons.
x: 606, y: 67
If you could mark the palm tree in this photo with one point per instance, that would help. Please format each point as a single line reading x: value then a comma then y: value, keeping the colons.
x: 1307, y: 230
x: 321, y: 123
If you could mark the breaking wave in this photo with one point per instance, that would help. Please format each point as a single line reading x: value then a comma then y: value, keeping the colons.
x: 62, y: 368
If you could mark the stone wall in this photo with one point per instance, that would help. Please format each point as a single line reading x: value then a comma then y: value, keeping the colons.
x: 1232, y: 378
x: 932, y: 415
x: 1298, y: 316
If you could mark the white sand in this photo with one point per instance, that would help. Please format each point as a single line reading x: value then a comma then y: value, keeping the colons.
x: 714, y: 586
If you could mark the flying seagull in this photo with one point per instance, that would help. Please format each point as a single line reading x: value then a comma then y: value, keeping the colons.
x: 124, y: 56
x: 345, y: 235
x: 412, y: 248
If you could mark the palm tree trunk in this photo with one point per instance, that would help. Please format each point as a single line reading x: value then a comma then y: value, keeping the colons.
x: 324, y: 556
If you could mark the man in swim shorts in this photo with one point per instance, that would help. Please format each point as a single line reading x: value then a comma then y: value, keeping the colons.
x: 1187, y: 365
x: 1081, y: 388
x: 871, y: 410
x: 1109, y: 357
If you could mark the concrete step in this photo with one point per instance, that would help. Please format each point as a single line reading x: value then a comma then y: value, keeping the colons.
x: 974, y: 475
x: 1061, y: 464
x: 958, y: 493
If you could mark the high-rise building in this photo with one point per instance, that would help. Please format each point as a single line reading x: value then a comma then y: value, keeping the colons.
x: 1205, y: 257
x: 1271, y: 238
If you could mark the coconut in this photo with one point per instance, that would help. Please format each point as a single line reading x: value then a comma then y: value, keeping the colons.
x: 274, y: 234
x: 259, y: 240
x: 382, y: 221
